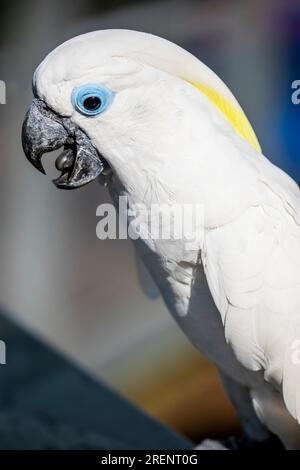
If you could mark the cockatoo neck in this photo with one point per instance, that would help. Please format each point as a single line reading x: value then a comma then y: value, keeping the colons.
x: 182, y: 160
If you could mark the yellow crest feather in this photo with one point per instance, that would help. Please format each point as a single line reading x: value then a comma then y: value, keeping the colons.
x: 234, y: 115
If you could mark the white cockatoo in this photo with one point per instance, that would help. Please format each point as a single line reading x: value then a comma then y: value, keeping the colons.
x: 167, y: 130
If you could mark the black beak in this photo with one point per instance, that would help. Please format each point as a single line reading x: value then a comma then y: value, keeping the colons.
x: 41, y: 133
x: 44, y: 131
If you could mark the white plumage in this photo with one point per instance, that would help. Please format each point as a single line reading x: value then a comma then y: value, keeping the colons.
x: 176, y: 134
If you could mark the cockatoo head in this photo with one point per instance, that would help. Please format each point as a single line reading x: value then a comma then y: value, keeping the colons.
x: 115, y: 99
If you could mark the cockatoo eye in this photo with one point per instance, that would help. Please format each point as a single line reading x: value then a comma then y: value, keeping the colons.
x: 91, y: 100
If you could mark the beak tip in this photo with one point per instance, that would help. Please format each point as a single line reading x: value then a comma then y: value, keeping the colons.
x: 35, y: 161
x: 39, y: 166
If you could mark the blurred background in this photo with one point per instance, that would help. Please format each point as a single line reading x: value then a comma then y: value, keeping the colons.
x: 81, y: 294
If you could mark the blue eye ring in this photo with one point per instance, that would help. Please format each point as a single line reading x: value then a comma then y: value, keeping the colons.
x: 92, y: 100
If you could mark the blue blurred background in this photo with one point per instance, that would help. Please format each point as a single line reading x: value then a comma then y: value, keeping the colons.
x: 84, y: 295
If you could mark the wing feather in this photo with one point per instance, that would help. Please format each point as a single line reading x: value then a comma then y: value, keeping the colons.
x: 253, y: 270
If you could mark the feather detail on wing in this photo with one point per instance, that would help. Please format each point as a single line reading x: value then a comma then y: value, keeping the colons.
x: 253, y: 270
x: 291, y: 369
